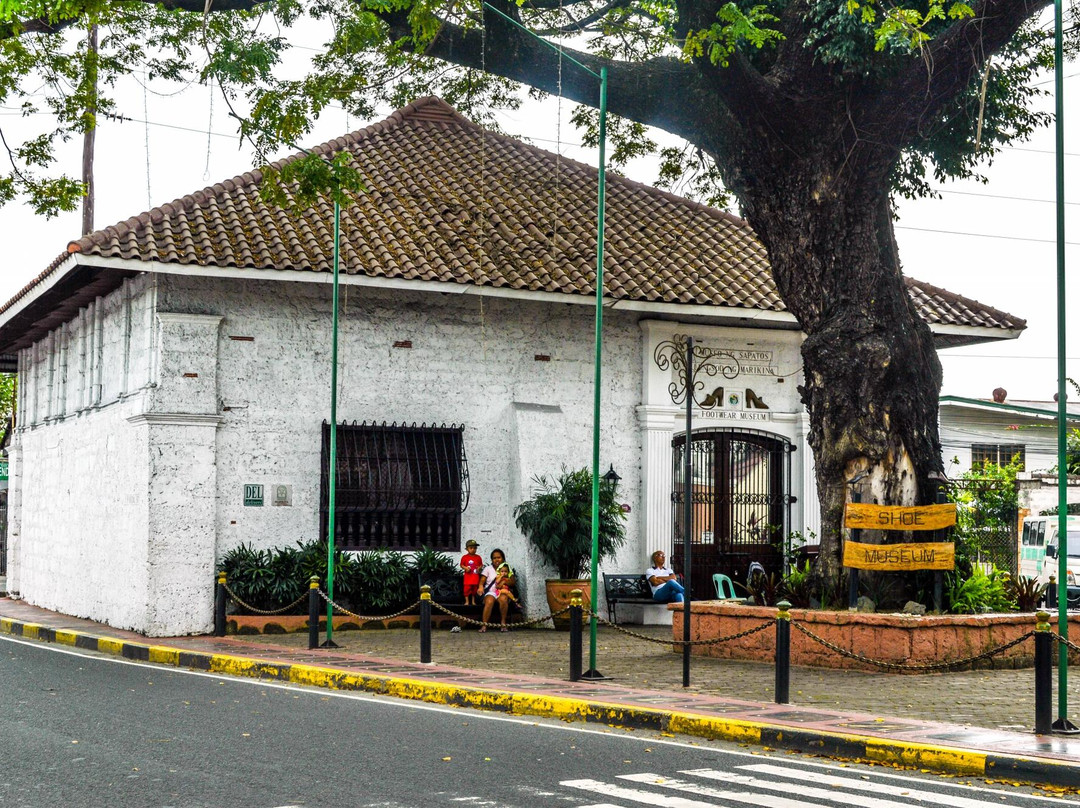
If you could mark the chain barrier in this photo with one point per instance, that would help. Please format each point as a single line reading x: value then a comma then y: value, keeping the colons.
x: 681, y: 643
x: 1067, y: 642
x: 525, y: 624
x: 362, y: 618
x: 251, y: 608
x: 901, y: 666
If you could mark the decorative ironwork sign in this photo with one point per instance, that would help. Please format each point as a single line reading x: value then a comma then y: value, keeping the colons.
x: 707, y: 363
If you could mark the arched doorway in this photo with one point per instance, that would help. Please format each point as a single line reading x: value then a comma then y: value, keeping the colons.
x: 741, y: 496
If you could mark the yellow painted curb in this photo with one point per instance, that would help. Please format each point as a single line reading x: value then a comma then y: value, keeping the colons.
x: 107, y: 645
x: 924, y: 756
x: 66, y: 637
x: 723, y: 729
x: 163, y: 655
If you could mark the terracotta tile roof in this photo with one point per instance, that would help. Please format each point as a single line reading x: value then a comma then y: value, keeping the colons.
x: 450, y: 202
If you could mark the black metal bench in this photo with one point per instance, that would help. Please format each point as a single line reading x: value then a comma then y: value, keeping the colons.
x: 625, y: 589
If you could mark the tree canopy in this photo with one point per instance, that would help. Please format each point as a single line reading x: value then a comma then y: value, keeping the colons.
x: 382, y: 53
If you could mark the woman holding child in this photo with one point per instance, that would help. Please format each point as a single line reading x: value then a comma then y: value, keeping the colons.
x: 497, y: 582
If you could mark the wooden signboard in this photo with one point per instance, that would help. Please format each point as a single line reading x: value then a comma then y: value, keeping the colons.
x: 899, y: 557
x: 892, y: 517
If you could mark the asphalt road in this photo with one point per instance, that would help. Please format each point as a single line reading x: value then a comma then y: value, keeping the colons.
x: 84, y: 730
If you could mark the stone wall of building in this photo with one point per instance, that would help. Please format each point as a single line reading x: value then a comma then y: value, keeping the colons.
x: 79, y: 527
x: 77, y: 515
x: 144, y: 418
x: 518, y: 375
x: 114, y: 513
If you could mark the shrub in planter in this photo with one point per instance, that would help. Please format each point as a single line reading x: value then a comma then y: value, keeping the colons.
x: 429, y: 563
x: 558, y: 522
x: 979, y: 593
x: 249, y: 574
x: 369, y: 583
x: 1027, y: 592
x: 382, y: 582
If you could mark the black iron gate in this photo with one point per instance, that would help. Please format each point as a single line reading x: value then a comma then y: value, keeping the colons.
x: 740, y: 493
x: 986, y: 520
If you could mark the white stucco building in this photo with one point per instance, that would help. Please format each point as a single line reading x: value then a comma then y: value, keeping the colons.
x: 170, y: 365
x: 974, y: 430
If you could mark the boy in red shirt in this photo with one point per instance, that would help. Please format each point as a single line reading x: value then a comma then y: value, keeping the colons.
x: 472, y: 563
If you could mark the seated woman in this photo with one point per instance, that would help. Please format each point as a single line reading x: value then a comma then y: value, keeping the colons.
x: 497, y: 583
x: 663, y: 581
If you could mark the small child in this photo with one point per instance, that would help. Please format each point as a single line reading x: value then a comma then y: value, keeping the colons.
x: 472, y: 563
x: 504, y: 576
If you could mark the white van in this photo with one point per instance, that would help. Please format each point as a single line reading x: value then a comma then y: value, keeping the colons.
x: 1039, y: 549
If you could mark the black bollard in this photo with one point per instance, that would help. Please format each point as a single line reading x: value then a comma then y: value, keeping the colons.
x: 1051, y: 593
x: 783, y: 652
x: 313, y: 613
x: 219, y: 606
x: 1044, y: 675
x: 575, y: 634
x: 425, y: 624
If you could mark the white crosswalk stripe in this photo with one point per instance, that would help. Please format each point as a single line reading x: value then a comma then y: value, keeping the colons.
x: 637, y: 795
x: 830, y: 794
x: 761, y: 797
x: 877, y: 787
x: 810, y: 789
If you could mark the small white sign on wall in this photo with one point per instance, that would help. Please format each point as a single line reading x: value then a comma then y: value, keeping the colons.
x: 281, y: 494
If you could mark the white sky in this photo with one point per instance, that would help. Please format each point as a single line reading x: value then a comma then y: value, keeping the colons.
x: 993, y: 242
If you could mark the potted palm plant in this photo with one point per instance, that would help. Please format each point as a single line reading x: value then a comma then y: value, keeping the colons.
x: 557, y: 521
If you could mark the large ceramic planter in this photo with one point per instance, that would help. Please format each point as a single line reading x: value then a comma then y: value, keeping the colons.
x: 558, y: 597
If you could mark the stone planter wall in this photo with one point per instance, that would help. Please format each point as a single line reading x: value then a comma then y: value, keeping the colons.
x: 288, y: 624
x: 885, y: 637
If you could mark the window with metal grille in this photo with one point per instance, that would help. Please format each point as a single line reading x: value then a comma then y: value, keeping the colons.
x: 1000, y: 454
x: 398, y: 487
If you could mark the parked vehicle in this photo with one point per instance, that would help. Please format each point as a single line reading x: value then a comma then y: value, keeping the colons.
x: 1038, y: 552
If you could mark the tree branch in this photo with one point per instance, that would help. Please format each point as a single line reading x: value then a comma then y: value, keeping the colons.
x: 42, y: 25
x: 946, y: 66
x: 661, y: 92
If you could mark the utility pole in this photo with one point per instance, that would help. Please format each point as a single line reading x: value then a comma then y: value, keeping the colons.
x: 90, y: 122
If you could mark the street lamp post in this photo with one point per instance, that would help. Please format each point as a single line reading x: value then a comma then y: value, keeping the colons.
x: 332, y: 459
x: 691, y: 363
x: 591, y: 673
x: 331, y: 525
x: 1062, y: 724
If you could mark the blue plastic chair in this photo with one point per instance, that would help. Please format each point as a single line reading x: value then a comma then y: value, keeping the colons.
x: 725, y: 589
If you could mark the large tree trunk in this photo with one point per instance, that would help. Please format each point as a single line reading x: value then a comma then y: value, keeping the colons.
x: 872, y: 374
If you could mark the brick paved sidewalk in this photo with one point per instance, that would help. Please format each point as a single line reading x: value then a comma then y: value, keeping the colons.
x: 994, y: 699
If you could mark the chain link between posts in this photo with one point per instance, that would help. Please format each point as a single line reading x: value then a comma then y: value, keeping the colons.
x: 525, y: 624
x: 251, y: 608
x: 1067, y: 643
x: 902, y: 666
x: 363, y: 619
x: 680, y: 643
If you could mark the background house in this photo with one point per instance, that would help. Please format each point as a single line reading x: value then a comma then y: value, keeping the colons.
x: 174, y: 374
x: 975, y: 430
